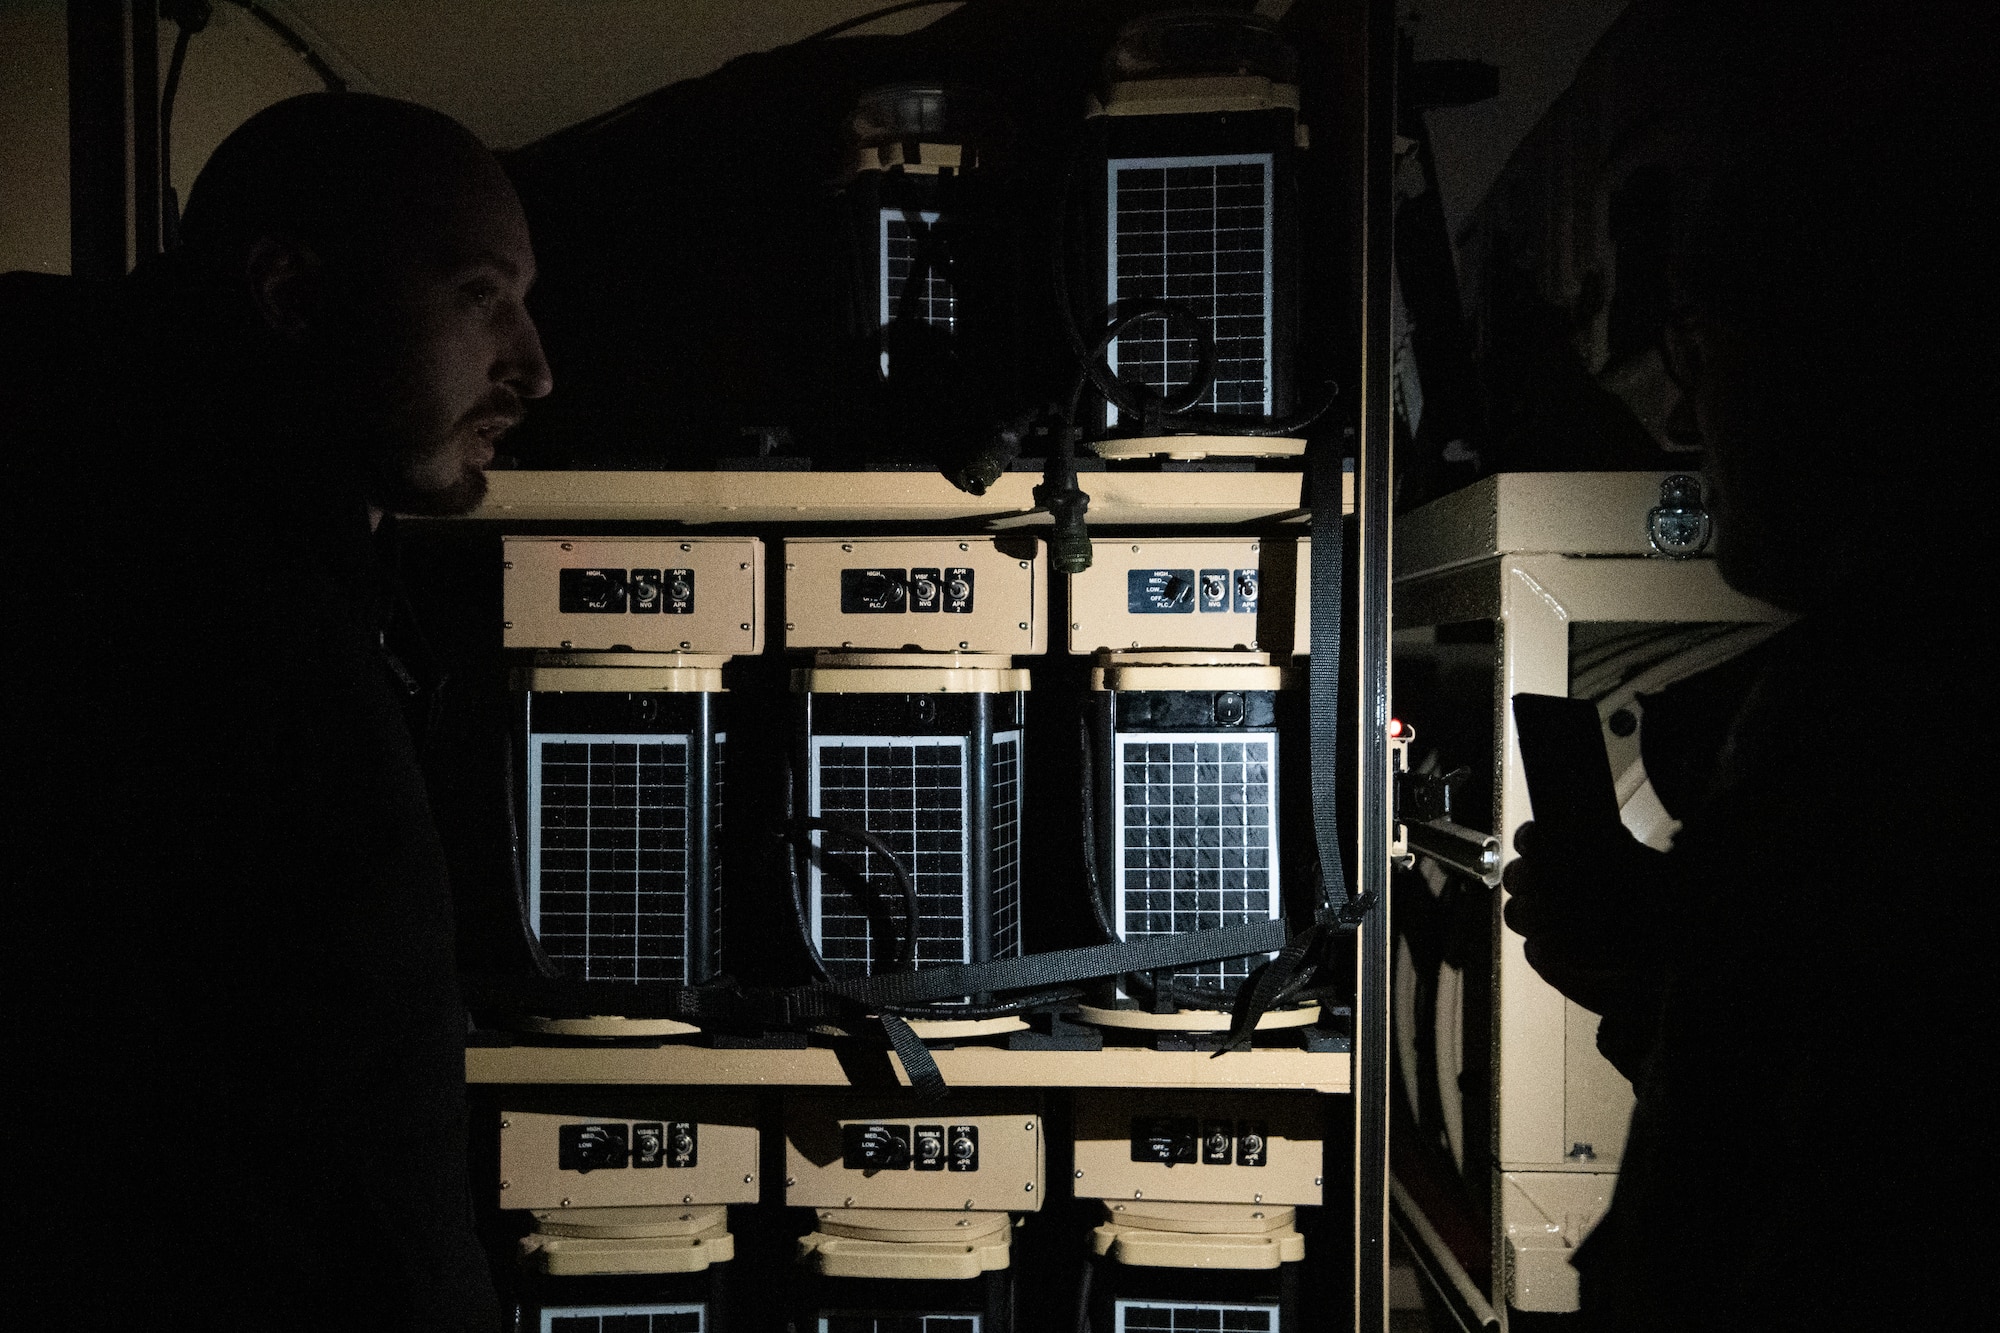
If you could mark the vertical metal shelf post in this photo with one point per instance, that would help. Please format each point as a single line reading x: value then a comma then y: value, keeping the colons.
x: 1372, y: 485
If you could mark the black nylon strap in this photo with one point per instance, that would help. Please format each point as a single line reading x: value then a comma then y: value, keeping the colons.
x: 1048, y: 969
x: 1327, y: 499
x: 841, y: 1002
x: 925, y: 1077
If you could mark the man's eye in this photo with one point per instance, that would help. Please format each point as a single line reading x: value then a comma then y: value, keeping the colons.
x: 479, y: 293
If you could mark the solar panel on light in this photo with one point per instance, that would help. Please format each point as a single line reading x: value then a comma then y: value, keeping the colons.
x: 1195, y: 231
x: 607, y: 853
x: 1007, y: 844
x: 1148, y: 1316
x: 621, y: 882
x: 910, y: 791
x: 936, y: 304
x: 677, y: 1318
x: 1196, y: 838
x: 899, y: 1322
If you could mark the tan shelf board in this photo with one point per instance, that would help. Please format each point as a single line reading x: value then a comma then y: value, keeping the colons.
x: 714, y: 498
x: 966, y: 1066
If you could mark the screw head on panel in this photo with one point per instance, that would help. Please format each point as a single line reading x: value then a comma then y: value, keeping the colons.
x: 686, y: 1198
x: 790, y: 1182
x: 1022, y: 625
x: 567, y: 547
x: 506, y: 624
x: 506, y: 564
x: 506, y: 1184
x: 744, y: 625
x: 1079, y: 1174
x: 847, y: 546
x: 686, y: 546
x: 965, y: 546
x: 749, y: 1180
x: 565, y: 1203
x: 1030, y: 1127
x: 1029, y: 1187
x: 506, y: 1123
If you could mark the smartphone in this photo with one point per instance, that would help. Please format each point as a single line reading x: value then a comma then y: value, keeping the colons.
x: 1568, y: 771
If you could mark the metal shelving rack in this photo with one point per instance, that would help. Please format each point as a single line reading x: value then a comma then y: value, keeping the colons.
x: 1357, y: 39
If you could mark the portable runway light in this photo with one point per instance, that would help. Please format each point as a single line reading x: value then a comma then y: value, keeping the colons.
x: 621, y: 736
x: 927, y: 321
x: 1201, y: 1194
x: 628, y: 1193
x: 912, y: 195
x: 913, y: 1208
x: 908, y: 753
x: 1192, y: 713
x: 1189, y: 209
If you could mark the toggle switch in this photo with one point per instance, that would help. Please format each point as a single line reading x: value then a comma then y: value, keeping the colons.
x: 964, y: 1152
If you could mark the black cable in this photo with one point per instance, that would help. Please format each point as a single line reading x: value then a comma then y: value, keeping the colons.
x: 300, y: 47
x: 516, y: 863
x: 1092, y: 884
x: 795, y: 829
x: 1083, y: 1296
x: 864, y: 20
x: 190, y: 16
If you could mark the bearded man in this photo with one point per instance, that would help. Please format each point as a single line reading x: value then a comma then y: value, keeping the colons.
x: 239, y: 1101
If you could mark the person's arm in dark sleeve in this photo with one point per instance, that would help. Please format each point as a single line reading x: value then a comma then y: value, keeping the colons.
x: 1593, y: 918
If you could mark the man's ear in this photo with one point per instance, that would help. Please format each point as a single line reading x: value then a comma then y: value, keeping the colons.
x: 283, y: 281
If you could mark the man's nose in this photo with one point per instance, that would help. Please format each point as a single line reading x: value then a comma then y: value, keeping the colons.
x: 525, y: 367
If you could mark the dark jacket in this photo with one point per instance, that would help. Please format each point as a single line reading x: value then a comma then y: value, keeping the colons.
x: 1807, y: 1149
x: 240, y: 1097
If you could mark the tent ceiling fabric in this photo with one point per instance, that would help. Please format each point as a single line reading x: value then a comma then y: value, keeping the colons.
x: 514, y: 73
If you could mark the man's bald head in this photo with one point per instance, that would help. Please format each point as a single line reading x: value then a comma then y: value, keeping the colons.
x: 377, y: 255
x: 344, y: 173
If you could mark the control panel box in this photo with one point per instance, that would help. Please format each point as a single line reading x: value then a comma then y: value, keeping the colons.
x: 648, y: 594
x: 629, y: 1149
x: 1217, y: 593
x: 1199, y: 1147
x: 971, y: 1153
x: 935, y: 594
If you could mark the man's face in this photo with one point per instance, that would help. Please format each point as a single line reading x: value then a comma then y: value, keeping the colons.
x: 438, y: 352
